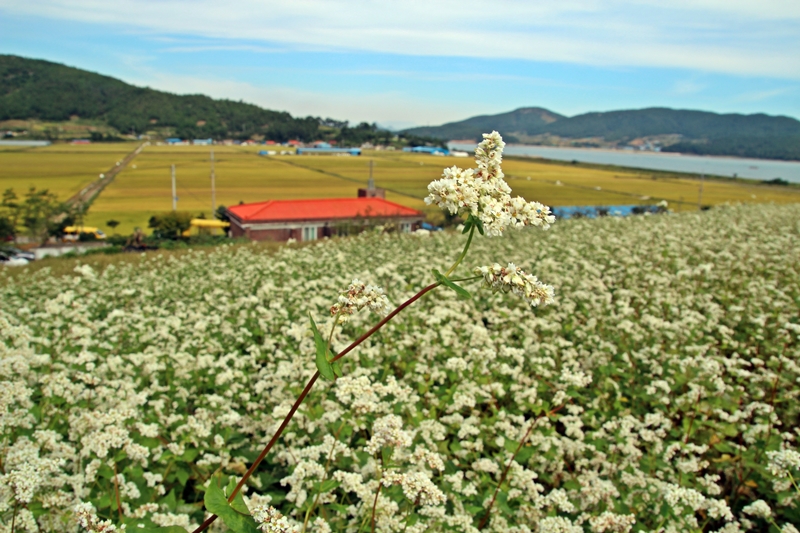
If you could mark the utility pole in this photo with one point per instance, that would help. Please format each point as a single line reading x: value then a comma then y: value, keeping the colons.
x: 174, y: 193
x: 213, y: 190
x: 371, y: 182
x: 700, y: 192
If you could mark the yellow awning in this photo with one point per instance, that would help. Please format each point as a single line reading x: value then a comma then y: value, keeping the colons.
x: 80, y: 229
x: 206, y: 223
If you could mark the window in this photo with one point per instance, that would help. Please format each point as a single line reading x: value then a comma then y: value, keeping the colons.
x: 405, y: 227
x: 310, y: 233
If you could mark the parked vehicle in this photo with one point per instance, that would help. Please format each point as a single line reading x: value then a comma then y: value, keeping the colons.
x: 8, y: 259
x: 73, y: 233
x: 16, y: 252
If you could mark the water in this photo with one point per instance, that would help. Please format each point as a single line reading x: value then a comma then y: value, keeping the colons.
x: 593, y: 211
x: 760, y: 169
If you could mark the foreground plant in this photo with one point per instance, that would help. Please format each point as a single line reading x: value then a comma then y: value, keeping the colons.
x: 483, y: 197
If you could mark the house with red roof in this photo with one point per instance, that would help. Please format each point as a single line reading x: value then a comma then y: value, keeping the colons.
x: 308, y: 220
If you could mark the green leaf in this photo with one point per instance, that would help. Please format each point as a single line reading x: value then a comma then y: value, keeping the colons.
x: 216, y: 503
x: 238, y: 502
x: 524, y: 454
x: 467, y: 225
x: 337, y: 368
x: 479, y: 225
x: 327, y: 485
x: 510, y: 445
x: 182, y: 475
x: 460, y: 291
x: 323, y: 364
x: 171, y: 501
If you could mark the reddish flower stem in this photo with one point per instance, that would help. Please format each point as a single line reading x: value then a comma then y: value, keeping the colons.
x: 485, y: 518
x: 305, y: 392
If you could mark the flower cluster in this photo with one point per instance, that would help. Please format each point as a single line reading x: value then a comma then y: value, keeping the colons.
x: 270, y: 520
x: 513, y: 279
x: 485, y: 195
x: 87, y: 518
x: 357, y: 297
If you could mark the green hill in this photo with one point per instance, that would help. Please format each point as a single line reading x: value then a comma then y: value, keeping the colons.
x: 36, y: 89
x: 698, y: 132
x: 524, y: 120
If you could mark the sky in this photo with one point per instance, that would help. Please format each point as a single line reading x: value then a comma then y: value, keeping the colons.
x: 414, y: 63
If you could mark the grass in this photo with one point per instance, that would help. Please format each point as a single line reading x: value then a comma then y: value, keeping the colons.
x: 144, y: 188
x: 61, y: 168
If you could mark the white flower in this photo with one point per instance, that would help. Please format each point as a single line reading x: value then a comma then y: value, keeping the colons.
x: 758, y: 508
x: 514, y: 279
x: 359, y: 296
x: 388, y: 431
x: 485, y: 195
x: 610, y: 522
x: 782, y: 461
x: 88, y: 520
x: 417, y: 487
x: 270, y: 520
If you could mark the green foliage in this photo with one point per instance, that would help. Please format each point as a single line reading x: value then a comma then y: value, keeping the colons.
x: 48, y: 91
x: 235, y: 514
x: 40, y: 213
x: 785, y: 147
x: 326, y: 369
x: 170, y: 225
x: 36, y: 89
x: 460, y: 291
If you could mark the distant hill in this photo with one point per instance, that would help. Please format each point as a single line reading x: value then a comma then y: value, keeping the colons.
x: 33, y: 89
x: 698, y: 132
x: 526, y: 119
x: 36, y: 89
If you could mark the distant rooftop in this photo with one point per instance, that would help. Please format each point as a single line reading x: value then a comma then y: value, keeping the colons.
x: 320, y: 209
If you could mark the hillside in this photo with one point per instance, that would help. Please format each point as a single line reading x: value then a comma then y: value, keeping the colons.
x: 36, y: 89
x: 698, y: 132
x: 32, y: 89
x: 526, y: 119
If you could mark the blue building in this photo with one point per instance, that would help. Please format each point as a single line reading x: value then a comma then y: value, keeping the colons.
x: 432, y: 150
x: 334, y: 151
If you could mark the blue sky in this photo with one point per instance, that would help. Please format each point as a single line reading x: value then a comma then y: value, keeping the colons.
x: 417, y: 63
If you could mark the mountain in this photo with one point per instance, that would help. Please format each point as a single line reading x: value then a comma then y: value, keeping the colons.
x: 523, y: 120
x: 699, y: 132
x: 36, y: 89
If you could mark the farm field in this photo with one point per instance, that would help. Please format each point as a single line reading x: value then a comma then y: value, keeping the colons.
x: 144, y: 189
x: 61, y: 168
x: 658, y: 393
x: 242, y: 175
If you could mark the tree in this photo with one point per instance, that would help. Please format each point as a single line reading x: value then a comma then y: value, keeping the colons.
x: 222, y: 214
x: 7, y: 229
x: 39, y: 213
x: 9, y: 215
x: 112, y: 224
x: 170, y: 225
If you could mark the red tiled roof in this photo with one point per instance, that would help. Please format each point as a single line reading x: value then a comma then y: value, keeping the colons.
x: 322, y: 209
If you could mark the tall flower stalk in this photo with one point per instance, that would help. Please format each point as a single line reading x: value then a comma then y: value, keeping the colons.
x: 483, y: 198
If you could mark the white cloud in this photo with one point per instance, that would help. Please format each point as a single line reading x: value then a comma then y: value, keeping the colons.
x: 687, y: 87
x: 759, y: 96
x: 728, y: 36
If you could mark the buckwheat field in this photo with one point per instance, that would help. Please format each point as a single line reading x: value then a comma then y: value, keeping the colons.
x: 657, y: 392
